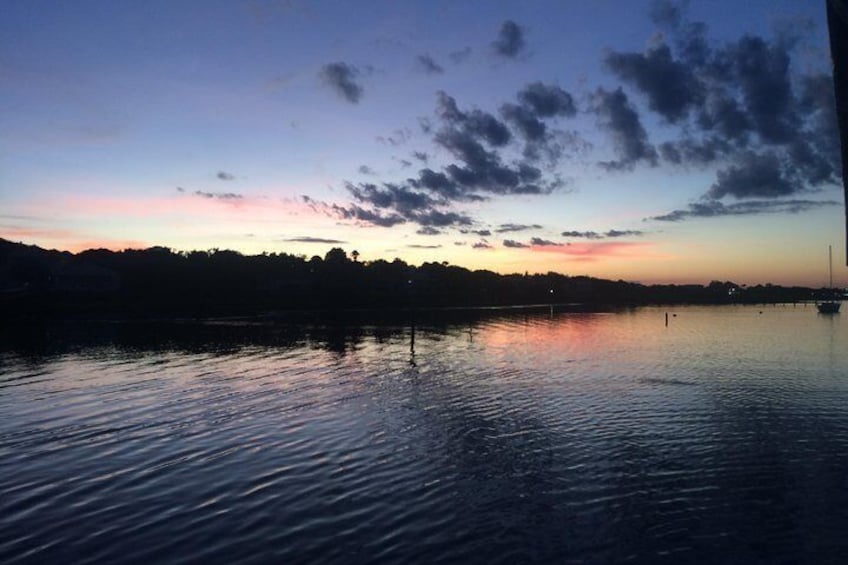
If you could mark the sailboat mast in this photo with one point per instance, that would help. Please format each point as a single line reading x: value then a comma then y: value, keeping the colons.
x: 837, y: 24
x: 830, y: 263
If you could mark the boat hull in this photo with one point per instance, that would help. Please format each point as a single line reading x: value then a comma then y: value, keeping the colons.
x: 829, y: 307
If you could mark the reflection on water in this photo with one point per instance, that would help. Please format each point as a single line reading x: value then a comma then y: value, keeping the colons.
x: 504, y: 438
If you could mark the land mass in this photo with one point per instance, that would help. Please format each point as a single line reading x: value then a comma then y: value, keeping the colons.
x: 161, y: 282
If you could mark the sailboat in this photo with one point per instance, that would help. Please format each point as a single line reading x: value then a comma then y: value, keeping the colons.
x: 831, y: 305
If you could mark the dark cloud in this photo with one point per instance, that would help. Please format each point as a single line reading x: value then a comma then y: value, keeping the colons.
x: 460, y: 55
x: 219, y: 195
x: 445, y: 188
x: 419, y: 246
x: 309, y: 239
x: 481, y: 233
x: 538, y: 241
x: 397, y: 197
x: 582, y: 234
x: 547, y: 100
x: 539, y: 102
x: 604, y: 235
x: 525, y: 121
x: 440, y: 219
x: 447, y: 108
x: 669, y: 85
x: 354, y: 212
x: 505, y: 228
x: 623, y: 233
x: 223, y: 175
x: 341, y: 77
x: 365, y: 170
x: 428, y: 65
x: 714, y: 208
x: 485, y: 126
x: 666, y: 13
x: 768, y: 127
x: 404, y: 163
x: 510, y: 41
x: 398, y: 137
x: 481, y: 150
x: 754, y: 175
x: 426, y: 125
x: 514, y: 244
x: 689, y: 151
x: 620, y: 119
x: 481, y: 245
x: 180, y: 189
x: 482, y: 169
x: 762, y: 71
x: 428, y: 230
x: 722, y: 113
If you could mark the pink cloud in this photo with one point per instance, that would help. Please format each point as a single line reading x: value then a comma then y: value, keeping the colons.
x: 66, y: 240
x: 180, y: 205
x: 591, y: 251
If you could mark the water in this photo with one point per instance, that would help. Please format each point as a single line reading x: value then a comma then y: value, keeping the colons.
x: 511, y: 438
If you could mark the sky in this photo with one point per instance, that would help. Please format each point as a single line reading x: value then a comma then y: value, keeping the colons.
x: 649, y: 141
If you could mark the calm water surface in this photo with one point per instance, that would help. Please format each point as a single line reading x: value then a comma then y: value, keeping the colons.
x: 514, y: 438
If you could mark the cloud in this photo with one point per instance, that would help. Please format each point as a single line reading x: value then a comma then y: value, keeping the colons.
x: 417, y: 246
x: 670, y: 86
x: 666, y: 13
x: 359, y: 214
x: 753, y: 175
x: 309, y: 239
x: 510, y: 40
x: 608, y: 234
x: 481, y: 233
x: 341, y: 77
x: 365, y: 170
x: 592, y: 251
x: 582, y: 234
x: 428, y: 230
x: 481, y: 245
x: 511, y: 243
x: 547, y: 100
x: 768, y: 127
x: 624, y: 233
x: 428, y: 65
x: 398, y: 137
x: 217, y: 195
x: 539, y: 242
x: 715, y: 208
x: 525, y: 120
x: 504, y: 228
x: 763, y: 73
x: 539, y: 102
x: 223, y: 175
x: 460, y: 55
x: 481, y: 152
x: 441, y: 219
x: 620, y: 119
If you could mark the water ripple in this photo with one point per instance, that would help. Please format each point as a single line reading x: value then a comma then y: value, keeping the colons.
x: 523, y: 438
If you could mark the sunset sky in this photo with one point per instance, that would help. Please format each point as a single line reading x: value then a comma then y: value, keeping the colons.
x: 645, y: 141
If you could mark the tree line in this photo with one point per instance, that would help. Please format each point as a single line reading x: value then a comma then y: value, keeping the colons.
x: 161, y: 281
